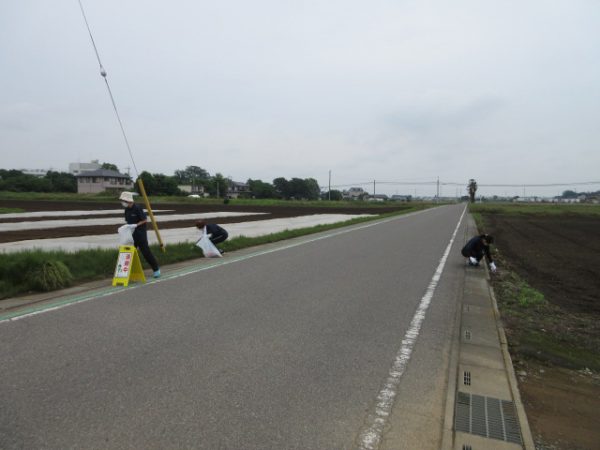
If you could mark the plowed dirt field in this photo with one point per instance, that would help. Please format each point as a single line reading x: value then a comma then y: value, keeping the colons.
x: 270, y: 212
x: 558, y: 255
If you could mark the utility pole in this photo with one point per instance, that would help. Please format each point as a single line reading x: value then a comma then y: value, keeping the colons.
x: 217, y: 189
x: 438, y: 189
x: 373, y: 188
x: 329, y: 191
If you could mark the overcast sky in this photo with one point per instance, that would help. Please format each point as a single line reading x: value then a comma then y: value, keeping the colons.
x: 506, y: 92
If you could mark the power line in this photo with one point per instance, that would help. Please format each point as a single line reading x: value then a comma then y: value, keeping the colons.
x: 112, y: 99
x: 447, y: 183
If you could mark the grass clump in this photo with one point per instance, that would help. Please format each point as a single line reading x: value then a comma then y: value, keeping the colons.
x: 49, y: 276
x: 549, y: 348
x: 540, y: 330
x: 37, y: 271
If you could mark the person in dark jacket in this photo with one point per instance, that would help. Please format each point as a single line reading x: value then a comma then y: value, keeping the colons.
x: 477, y: 248
x: 136, y: 217
x: 216, y: 234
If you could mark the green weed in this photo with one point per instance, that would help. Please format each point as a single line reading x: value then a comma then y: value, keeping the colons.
x: 48, y: 276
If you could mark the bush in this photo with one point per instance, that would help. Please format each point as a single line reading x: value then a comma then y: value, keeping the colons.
x: 48, y: 276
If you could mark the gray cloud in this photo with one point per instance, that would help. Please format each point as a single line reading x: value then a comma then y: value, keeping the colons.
x: 505, y: 92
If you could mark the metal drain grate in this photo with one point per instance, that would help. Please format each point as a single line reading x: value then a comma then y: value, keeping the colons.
x: 488, y: 417
x: 467, y: 378
x: 467, y: 335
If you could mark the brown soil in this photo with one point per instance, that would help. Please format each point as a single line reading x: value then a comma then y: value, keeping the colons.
x: 562, y: 406
x: 560, y: 257
x: 272, y: 212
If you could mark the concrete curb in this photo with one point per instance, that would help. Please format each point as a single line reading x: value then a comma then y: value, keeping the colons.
x: 480, y: 349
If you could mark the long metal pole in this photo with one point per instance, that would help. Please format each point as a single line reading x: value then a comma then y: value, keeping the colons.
x: 329, y: 185
x: 151, y: 214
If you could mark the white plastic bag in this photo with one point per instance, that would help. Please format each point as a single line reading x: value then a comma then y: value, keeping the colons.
x: 208, y: 248
x: 125, y: 235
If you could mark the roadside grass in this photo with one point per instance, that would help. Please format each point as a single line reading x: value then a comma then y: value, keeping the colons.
x: 538, y: 330
x: 11, y: 210
x: 19, y: 272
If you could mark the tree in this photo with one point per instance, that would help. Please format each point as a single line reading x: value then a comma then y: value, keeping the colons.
x: 109, y: 166
x: 282, y: 188
x: 569, y: 194
x: 312, y: 189
x: 62, y: 181
x: 472, y: 188
x: 216, y: 185
x: 297, y: 188
x: 159, y: 184
x: 191, y: 175
x: 260, y: 189
x: 17, y: 181
x: 334, y: 194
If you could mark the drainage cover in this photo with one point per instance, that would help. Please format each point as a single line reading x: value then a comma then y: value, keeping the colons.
x: 488, y: 417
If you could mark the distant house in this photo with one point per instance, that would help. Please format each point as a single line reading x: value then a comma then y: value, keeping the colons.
x: 354, y: 193
x: 102, y: 180
x: 196, y: 189
x: 237, y: 189
x: 377, y: 198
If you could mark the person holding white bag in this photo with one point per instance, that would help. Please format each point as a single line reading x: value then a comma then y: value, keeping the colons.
x: 136, y: 218
x: 214, y: 232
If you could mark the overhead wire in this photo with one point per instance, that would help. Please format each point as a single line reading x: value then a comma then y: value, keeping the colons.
x: 140, y: 182
x: 112, y: 98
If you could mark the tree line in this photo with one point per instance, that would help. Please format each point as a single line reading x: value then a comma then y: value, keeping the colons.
x: 160, y: 184
x: 17, y: 181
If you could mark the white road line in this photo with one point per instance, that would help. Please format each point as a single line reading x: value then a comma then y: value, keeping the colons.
x: 372, y: 432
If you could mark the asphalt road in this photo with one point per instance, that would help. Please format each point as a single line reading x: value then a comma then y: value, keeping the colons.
x: 284, y: 350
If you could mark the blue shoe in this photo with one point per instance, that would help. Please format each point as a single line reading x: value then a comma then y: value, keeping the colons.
x: 156, y: 274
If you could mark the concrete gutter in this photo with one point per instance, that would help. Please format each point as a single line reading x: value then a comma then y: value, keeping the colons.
x: 482, y: 378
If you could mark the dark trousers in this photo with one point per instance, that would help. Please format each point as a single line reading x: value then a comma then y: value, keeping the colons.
x: 218, y: 238
x: 140, y: 240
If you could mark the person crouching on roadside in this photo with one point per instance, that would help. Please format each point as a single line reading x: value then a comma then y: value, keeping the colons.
x: 135, y: 216
x: 215, y: 233
x: 477, y: 248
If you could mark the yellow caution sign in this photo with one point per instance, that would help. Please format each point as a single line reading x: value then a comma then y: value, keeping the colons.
x: 129, y: 266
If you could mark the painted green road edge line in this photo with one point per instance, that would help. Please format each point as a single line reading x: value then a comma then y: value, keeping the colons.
x: 64, y: 301
x: 105, y: 292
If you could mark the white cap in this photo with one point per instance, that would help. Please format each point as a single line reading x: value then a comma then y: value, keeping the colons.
x: 126, y: 197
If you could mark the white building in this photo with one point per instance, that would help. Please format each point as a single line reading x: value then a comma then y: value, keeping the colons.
x: 93, y: 182
x: 77, y: 168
